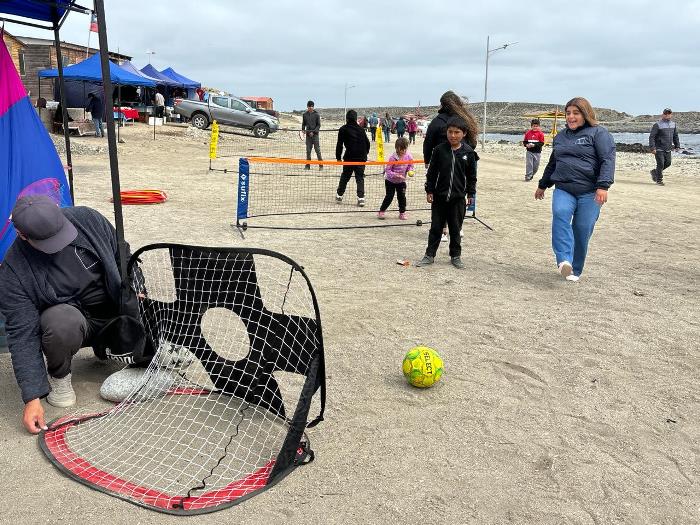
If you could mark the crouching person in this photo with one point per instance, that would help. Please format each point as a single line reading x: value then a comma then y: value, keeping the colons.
x: 61, y: 290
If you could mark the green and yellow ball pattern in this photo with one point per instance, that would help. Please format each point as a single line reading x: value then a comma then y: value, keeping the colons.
x: 422, y: 366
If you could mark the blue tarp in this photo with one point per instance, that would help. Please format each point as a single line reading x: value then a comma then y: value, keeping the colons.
x: 162, y: 79
x: 36, y: 10
x: 171, y: 73
x: 90, y: 69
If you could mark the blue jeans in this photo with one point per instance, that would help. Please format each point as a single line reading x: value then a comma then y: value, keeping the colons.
x: 387, y: 135
x: 98, y: 127
x: 573, y: 220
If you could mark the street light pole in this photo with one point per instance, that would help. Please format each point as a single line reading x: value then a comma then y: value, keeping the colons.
x: 149, y: 53
x: 486, y: 83
x: 345, y: 112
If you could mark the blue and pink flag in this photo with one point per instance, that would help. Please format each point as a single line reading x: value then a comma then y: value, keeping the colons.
x: 29, y: 163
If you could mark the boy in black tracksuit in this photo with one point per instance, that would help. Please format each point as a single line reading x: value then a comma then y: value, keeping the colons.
x: 356, y: 143
x: 450, y: 185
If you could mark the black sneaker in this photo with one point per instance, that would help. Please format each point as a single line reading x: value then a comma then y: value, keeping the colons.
x: 457, y: 263
x: 320, y: 167
x: 307, y: 167
x: 660, y: 183
x: 653, y: 175
x: 425, y: 261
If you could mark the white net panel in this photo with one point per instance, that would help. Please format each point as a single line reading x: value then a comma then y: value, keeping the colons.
x: 222, y: 407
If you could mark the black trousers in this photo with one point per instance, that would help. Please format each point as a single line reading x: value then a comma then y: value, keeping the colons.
x: 373, y: 132
x: 450, y: 212
x: 64, y: 331
x: 359, y: 179
x: 411, y: 137
x: 398, y: 188
x: 663, y: 161
x: 159, y: 111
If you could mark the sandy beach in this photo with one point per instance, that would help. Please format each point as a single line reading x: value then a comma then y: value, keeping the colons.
x: 561, y: 402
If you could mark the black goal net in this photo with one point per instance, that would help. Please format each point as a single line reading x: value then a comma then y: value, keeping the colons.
x: 222, y: 409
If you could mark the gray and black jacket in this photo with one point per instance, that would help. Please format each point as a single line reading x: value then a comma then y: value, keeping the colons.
x: 25, y: 293
x: 582, y: 161
x: 311, y: 121
x: 664, y: 136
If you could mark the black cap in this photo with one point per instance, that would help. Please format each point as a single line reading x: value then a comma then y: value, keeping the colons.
x: 42, y: 222
x: 667, y: 111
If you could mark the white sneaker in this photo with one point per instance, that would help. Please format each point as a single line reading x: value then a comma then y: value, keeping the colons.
x: 461, y: 233
x: 62, y: 394
x: 565, y: 268
x: 338, y: 198
x: 573, y: 278
x: 361, y: 202
x: 444, y: 238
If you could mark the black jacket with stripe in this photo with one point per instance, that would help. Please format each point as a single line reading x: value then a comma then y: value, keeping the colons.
x: 452, y: 173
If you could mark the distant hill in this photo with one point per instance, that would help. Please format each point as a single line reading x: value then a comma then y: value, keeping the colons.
x: 508, y: 117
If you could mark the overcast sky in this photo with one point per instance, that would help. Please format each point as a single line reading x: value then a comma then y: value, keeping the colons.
x: 636, y: 56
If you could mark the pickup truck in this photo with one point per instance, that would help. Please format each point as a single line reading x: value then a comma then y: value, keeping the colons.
x: 229, y: 111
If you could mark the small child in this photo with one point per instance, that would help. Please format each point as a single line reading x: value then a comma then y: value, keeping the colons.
x: 450, y: 186
x: 533, y: 141
x: 395, y: 179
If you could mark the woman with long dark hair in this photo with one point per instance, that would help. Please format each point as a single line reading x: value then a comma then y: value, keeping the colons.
x: 581, y: 169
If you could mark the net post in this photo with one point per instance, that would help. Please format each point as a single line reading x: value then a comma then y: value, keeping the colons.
x: 243, y: 189
x: 472, y: 208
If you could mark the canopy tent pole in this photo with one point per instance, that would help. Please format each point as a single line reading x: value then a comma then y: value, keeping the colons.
x: 64, y: 109
x: 111, y: 137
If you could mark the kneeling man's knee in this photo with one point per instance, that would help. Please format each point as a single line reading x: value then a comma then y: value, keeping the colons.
x: 63, y: 327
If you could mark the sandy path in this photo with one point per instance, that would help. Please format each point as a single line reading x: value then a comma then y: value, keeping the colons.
x: 561, y: 403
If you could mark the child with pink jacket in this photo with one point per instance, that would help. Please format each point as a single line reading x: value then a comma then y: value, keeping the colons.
x: 395, y: 179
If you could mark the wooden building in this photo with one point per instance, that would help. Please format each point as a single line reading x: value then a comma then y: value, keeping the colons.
x: 30, y: 55
x: 259, y: 102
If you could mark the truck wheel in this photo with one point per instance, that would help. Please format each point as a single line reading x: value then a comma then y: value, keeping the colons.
x: 261, y: 130
x: 200, y: 121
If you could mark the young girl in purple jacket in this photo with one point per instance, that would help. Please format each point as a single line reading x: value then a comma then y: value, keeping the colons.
x: 395, y: 179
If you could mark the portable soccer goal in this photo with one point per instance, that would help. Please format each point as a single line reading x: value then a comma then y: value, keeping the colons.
x: 222, y: 410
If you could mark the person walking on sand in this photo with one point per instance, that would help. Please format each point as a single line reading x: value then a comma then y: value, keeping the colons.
x: 311, y: 124
x: 533, y: 142
x: 412, y: 128
x: 662, y: 139
x: 373, y: 123
x: 387, y: 124
x: 582, y: 169
x: 400, y: 127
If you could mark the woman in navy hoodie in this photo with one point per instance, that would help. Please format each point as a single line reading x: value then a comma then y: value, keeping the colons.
x: 581, y: 169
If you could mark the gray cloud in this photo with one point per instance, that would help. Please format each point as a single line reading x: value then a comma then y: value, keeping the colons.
x: 635, y: 56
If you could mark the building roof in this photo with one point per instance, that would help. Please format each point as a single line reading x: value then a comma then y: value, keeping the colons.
x: 32, y: 41
x: 258, y: 99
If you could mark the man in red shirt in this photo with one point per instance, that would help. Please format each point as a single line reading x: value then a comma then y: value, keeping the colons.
x: 533, y: 142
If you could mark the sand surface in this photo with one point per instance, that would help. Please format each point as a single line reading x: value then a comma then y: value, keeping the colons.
x: 561, y: 402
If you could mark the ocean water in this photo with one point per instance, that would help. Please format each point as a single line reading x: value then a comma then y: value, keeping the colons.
x: 688, y: 140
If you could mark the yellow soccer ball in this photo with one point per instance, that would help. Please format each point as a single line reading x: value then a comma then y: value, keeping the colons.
x: 422, y: 367
x: 411, y: 173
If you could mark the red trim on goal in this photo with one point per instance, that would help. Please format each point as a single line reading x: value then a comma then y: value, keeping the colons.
x: 56, y: 443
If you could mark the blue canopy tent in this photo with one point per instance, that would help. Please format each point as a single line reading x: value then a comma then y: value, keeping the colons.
x: 162, y: 79
x: 190, y: 85
x: 131, y: 68
x: 50, y: 15
x: 90, y: 70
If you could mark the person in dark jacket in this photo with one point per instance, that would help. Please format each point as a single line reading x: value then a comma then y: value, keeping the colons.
x: 400, y: 127
x: 582, y: 169
x: 450, y: 186
x: 354, y: 139
x: 662, y: 139
x: 96, y: 109
x: 311, y: 124
x: 451, y: 105
x: 60, y: 285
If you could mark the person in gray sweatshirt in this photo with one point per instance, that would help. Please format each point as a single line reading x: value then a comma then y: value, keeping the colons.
x: 662, y: 139
x: 582, y: 169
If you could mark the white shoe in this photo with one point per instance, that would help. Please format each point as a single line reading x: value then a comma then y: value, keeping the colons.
x: 62, y: 394
x: 444, y: 238
x: 338, y: 198
x: 361, y: 202
x: 461, y: 233
x: 565, y: 268
x: 573, y: 278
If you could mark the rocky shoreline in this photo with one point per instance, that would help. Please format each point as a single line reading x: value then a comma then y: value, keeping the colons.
x: 509, y: 117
